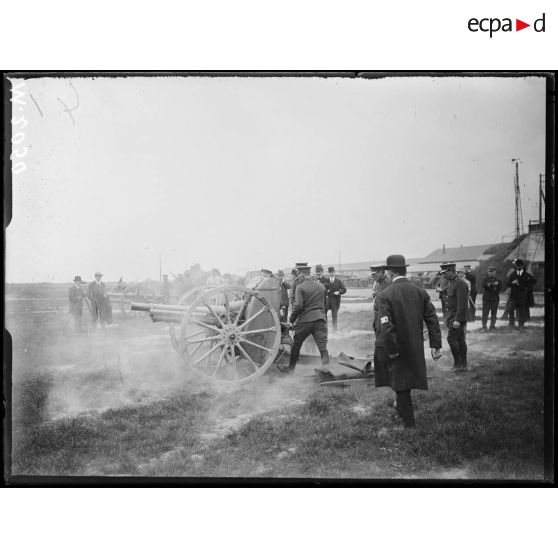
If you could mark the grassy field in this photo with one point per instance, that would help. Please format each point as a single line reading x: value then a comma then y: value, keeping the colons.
x: 123, y: 405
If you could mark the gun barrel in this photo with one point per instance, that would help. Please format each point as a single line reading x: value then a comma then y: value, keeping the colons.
x: 149, y: 306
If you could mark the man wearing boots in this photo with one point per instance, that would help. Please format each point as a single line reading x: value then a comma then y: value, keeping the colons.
x: 456, y: 316
x: 491, y: 287
x: 308, y: 315
x: 403, y: 307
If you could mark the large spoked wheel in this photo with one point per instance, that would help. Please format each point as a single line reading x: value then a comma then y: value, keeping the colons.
x: 236, y: 341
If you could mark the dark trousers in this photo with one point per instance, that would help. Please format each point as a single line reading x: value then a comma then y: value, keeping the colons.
x: 521, y: 305
x: 318, y: 330
x: 444, y: 300
x: 458, y: 344
x: 489, y: 306
x: 333, y: 304
x: 405, y: 409
x: 97, y: 313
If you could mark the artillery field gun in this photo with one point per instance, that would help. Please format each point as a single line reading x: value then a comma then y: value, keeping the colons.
x: 228, y: 333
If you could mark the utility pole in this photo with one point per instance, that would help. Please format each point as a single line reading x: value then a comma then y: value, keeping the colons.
x: 518, y: 212
x: 541, y: 197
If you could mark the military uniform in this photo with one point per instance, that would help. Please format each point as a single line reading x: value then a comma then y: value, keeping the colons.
x: 491, y: 287
x: 309, y: 318
x: 457, y: 311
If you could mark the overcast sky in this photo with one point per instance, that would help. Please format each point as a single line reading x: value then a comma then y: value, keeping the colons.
x: 243, y: 173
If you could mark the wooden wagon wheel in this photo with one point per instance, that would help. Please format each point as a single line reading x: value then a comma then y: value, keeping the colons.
x: 184, y: 300
x: 234, y: 342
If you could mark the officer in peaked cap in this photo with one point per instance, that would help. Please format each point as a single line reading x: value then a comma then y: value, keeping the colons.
x: 308, y: 315
x: 491, y: 287
x: 298, y: 268
x: 456, y: 316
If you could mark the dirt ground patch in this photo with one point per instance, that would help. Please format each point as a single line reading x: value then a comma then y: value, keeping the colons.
x: 122, y: 402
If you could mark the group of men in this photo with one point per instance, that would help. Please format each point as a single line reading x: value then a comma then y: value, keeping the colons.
x: 519, y: 281
x: 310, y: 299
x: 95, y: 298
x: 402, y: 307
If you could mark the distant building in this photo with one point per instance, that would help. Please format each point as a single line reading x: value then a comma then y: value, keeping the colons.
x: 461, y: 255
x: 532, y: 251
x: 361, y: 269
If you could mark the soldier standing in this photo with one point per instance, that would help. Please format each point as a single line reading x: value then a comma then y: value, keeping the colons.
x: 491, y: 287
x: 456, y: 317
x: 380, y: 283
x: 308, y: 316
x: 75, y: 295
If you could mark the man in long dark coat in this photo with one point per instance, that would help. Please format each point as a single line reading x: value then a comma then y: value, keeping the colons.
x: 521, y: 284
x: 399, y: 361
x: 75, y: 296
x: 334, y: 289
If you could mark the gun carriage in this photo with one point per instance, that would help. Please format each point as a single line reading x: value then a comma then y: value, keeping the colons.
x: 227, y: 333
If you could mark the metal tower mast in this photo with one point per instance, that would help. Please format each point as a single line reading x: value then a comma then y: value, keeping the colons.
x: 518, y: 211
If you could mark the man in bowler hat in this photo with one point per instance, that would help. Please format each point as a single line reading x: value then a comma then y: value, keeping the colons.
x: 402, y: 308
x: 521, y: 284
x: 75, y: 295
x: 334, y: 288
